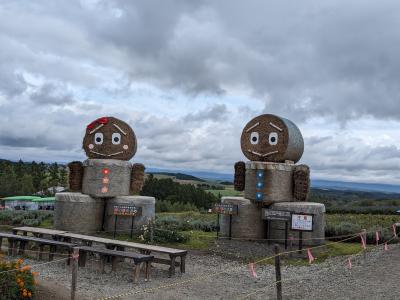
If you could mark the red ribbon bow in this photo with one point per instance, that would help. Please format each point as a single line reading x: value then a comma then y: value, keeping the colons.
x: 103, y: 120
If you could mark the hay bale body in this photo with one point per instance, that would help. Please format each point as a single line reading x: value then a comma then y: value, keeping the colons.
x: 277, y: 182
x: 247, y: 224
x: 124, y: 223
x: 277, y: 230
x: 78, y: 213
x: 119, y: 176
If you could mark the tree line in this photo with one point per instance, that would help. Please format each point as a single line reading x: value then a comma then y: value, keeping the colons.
x: 23, y: 178
x: 174, y: 192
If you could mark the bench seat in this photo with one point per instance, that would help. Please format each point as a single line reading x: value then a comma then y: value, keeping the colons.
x: 138, y: 259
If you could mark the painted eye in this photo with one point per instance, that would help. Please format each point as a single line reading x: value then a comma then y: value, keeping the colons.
x: 273, y: 138
x: 116, y: 138
x: 98, y: 138
x: 254, y: 136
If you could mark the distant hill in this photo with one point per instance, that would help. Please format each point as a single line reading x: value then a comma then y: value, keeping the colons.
x: 355, y: 186
x: 315, y: 183
x: 179, y: 176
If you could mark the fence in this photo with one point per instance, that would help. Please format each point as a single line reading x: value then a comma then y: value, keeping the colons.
x: 361, y: 236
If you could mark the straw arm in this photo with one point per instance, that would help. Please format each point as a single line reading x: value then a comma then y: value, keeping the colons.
x: 240, y: 176
x: 75, y: 176
x: 137, y: 178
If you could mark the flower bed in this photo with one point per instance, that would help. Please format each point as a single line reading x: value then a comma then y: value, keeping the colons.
x: 16, y: 281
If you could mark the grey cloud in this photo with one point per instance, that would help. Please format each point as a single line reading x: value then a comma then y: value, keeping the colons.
x: 216, y: 112
x: 302, y: 59
x: 49, y: 94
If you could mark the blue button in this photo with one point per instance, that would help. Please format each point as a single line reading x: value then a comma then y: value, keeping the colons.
x: 260, y: 185
x: 259, y: 196
x: 260, y: 174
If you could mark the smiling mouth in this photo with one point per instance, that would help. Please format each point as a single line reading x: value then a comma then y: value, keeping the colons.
x: 106, y: 155
x: 262, y: 155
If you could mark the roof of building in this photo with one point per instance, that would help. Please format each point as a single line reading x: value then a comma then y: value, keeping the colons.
x: 20, y: 198
x: 45, y: 199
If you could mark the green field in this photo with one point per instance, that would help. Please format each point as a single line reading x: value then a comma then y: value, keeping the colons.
x: 228, y: 191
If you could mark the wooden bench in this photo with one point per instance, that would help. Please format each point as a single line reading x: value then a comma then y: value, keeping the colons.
x: 19, y: 241
x: 111, y: 244
x: 138, y: 259
x: 38, y: 232
x: 143, y: 248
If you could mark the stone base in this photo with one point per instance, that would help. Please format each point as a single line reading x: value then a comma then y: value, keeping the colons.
x: 78, y: 213
x: 277, y: 230
x: 124, y: 223
x: 247, y: 224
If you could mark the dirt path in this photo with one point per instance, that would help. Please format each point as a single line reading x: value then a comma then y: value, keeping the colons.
x: 214, y: 277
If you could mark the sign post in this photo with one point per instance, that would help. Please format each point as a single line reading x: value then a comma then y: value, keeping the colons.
x: 302, y: 222
x: 226, y: 209
x: 277, y: 215
x: 126, y: 211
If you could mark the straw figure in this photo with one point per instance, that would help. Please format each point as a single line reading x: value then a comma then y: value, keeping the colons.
x: 273, y: 145
x: 109, y: 144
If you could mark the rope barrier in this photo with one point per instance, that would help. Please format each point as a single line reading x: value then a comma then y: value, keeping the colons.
x: 205, y: 276
x: 234, y: 269
x: 202, y: 277
x: 304, y: 277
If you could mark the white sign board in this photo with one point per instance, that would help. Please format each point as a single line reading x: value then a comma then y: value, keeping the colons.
x: 302, y: 222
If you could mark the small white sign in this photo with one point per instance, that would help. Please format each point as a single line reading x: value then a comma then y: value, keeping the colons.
x: 302, y: 222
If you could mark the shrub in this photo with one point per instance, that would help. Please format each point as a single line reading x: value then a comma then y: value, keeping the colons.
x: 20, y: 217
x: 164, y: 236
x: 347, y: 224
x: 19, y: 284
x: 184, y: 224
x: 171, y: 206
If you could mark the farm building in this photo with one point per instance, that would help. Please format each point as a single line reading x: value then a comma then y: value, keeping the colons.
x: 27, y: 203
x: 46, y: 203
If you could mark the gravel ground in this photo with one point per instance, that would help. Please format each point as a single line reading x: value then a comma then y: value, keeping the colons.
x: 377, y: 278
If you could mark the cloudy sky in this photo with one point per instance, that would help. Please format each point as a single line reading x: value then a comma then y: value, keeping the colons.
x: 188, y: 75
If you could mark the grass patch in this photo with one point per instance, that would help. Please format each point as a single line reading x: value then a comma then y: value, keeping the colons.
x: 47, y: 223
x: 192, y: 215
x: 199, y: 240
x: 321, y: 254
x: 228, y: 191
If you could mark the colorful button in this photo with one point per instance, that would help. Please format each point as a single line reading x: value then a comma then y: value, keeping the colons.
x: 260, y: 174
x: 259, y: 196
x: 260, y: 185
x: 106, y: 171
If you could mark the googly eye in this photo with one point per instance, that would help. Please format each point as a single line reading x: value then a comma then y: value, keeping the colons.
x: 254, y: 137
x: 98, y: 138
x: 116, y: 138
x: 273, y: 138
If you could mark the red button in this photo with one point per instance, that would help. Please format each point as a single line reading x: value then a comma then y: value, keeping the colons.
x: 106, y: 171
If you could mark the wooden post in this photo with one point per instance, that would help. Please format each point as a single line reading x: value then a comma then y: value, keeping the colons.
x: 278, y: 281
x: 115, y: 225
x: 133, y: 217
x: 290, y: 245
x: 75, y: 256
x: 151, y: 231
x: 217, y: 226
x: 286, y: 234
x: 230, y: 227
x: 300, y: 241
x: 364, y: 235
